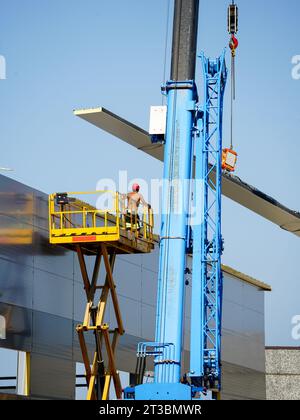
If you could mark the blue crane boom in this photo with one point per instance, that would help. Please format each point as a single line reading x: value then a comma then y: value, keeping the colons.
x: 193, y: 148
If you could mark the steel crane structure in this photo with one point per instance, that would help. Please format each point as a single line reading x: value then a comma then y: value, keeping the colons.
x: 191, y: 224
x: 193, y: 151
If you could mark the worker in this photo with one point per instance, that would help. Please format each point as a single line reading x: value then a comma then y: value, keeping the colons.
x: 134, y: 199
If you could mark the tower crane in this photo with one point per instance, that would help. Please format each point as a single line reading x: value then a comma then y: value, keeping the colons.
x: 193, y: 148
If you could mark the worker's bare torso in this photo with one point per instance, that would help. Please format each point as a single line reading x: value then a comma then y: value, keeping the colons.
x: 134, y: 200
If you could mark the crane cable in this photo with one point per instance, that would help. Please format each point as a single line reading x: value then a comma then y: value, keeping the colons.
x: 233, y: 45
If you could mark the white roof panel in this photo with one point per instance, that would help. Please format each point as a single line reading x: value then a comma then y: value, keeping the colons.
x: 233, y: 187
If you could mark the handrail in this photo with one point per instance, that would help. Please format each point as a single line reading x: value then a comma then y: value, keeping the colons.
x: 76, y: 217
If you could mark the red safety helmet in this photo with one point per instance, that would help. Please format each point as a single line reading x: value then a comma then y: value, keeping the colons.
x: 136, y: 188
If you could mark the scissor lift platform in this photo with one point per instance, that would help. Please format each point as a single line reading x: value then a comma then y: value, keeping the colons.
x: 99, y: 232
x: 74, y: 222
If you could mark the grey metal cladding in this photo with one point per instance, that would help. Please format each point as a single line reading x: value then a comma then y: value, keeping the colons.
x: 52, y: 259
x: 16, y: 283
x: 233, y: 291
x: 52, y: 335
x: 149, y: 279
x: 148, y: 321
x: 19, y: 328
x: 8, y: 185
x: 52, y: 377
x: 41, y: 210
x: 128, y: 278
x: 240, y: 383
x: 16, y: 240
x: 149, y: 261
x: 53, y: 294
x: 131, y: 311
x: 252, y: 299
x: 79, y: 304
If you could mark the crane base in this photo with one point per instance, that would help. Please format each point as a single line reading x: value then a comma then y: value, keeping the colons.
x: 162, y: 392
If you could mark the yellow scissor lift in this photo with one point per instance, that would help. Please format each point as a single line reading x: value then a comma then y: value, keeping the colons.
x: 101, y: 231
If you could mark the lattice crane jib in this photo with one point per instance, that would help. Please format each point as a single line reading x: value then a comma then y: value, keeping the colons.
x: 207, y: 238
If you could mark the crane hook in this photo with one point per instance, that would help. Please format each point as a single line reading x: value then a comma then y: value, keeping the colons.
x: 233, y: 44
x: 229, y: 157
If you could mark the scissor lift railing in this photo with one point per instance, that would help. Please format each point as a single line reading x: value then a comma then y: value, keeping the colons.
x: 76, y: 221
x: 102, y: 234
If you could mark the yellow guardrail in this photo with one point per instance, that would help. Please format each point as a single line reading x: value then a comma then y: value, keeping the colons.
x: 72, y: 220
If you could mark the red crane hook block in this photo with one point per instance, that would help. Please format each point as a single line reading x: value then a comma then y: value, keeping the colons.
x: 234, y: 43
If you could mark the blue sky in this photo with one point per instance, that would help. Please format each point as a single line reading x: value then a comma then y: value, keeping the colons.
x: 69, y: 54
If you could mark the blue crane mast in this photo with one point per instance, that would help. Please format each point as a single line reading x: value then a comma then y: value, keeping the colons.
x: 192, y: 174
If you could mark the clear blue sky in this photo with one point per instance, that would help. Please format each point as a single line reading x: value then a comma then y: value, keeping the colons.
x: 66, y: 54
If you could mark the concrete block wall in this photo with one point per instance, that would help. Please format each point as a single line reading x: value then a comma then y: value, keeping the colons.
x: 283, y: 373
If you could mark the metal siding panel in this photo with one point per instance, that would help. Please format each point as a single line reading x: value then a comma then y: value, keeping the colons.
x: 131, y: 258
x: 16, y: 232
x: 233, y: 290
x: 127, y: 278
x: 125, y: 351
x: 16, y: 283
x: 253, y: 299
x: 18, y: 205
x: 232, y: 347
x: 243, y: 324
x: 148, y: 322
x: 52, y: 259
x: 187, y: 333
x: 79, y: 301
x: 232, y: 320
x: 150, y: 261
x: 18, y: 327
x: 188, y: 296
x: 240, y: 383
x: 52, y: 378
x: 52, y: 294
x: 149, y: 287
x: 41, y: 220
x: 8, y: 185
x: 131, y: 311
x: 254, y: 356
x: 52, y: 335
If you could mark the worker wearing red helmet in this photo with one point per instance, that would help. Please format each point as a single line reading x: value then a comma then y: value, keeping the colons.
x: 134, y: 200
